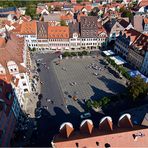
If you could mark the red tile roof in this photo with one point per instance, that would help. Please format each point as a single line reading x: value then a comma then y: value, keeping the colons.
x: 2, y: 42
x: 29, y: 28
x: 145, y: 20
x: 66, y: 17
x: 143, y: 3
x: 80, y: 7
x: 13, y: 51
x: 58, y: 32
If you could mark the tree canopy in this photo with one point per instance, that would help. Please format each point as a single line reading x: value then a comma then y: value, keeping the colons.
x: 137, y: 88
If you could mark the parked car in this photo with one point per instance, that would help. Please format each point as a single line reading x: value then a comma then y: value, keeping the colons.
x: 96, y: 74
x: 85, y: 115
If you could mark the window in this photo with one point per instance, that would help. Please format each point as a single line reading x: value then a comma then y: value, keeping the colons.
x: 107, y: 145
x: 22, y: 77
x: 11, y: 70
x: 15, y: 69
x: 77, y: 144
x: 24, y: 84
x: 25, y: 90
x: 97, y: 143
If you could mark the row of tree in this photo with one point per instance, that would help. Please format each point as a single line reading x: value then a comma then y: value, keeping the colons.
x: 72, y: 54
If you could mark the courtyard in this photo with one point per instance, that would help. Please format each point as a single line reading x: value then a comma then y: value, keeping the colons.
x: 86, y: 78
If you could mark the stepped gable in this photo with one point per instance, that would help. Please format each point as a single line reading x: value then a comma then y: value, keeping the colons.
x: 86, y: 126
x: 106, y: 124
x: 125, y: 121
x: 66, y: 129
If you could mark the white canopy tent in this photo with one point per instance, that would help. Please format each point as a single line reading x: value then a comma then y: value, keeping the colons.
x: 108, y: 52
x: 118, y: 60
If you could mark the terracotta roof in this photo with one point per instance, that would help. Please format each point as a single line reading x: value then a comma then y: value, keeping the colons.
x: 2, y: 42
x: 79, y: 7
x: 13, y: 51
x: 132, y: 33
x: 67, y: 17
x: 58, y: 32
x: 143, y: 3
x: 141, y: 42
x: 125, y: 121
x: 106, y: 124
x: 66, y: 129
x: 86, y: 126
x: 145, y: 20
x: 29, y: 28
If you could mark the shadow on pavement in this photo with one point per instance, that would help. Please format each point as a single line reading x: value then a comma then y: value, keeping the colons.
x: 99, y: 93
x: 112, y: 85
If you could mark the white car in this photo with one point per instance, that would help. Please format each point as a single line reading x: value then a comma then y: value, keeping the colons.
x: 85, y: 115
x: 96, y: 74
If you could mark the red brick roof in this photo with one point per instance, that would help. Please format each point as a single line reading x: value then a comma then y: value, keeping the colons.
x: 58, y: 32
x: 28, y: 28
x: 13, y: 51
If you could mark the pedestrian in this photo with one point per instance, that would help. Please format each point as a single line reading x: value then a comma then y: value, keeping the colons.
x: 52, y: 102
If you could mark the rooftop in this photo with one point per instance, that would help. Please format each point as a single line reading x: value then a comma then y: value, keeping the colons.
x: 58, y: 32
x: 28, y: 28
x: 125, y: 134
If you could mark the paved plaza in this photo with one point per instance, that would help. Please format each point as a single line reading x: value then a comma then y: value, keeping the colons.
x: 87, y: 85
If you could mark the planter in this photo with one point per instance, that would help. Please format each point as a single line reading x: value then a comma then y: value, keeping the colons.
x: 98, y: 109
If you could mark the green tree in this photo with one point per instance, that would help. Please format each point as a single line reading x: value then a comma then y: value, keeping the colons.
x: 63, y: 23
x: 84, y: 52
x: 49, y: 8
x: 73, y: 54
x: 79, y: 1
x: 137, y: 87
x: 89, y: 103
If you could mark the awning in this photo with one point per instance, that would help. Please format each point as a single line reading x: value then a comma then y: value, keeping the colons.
x: 136, y: 73
x: 118, y: 60
x: 108, y: 52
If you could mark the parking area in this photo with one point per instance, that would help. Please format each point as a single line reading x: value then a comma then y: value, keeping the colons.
x: 86, y: 78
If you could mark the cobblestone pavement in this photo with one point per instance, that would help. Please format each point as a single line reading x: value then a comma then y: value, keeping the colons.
x: 87, y: 84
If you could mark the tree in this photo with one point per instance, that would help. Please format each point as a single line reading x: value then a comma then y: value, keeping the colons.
x: 89, y: 103
x: 63, y: 23
x: 84, y: 52
x: 49, y: 8
x: 79, y: 1
x: 73, y: 54
x: 137, y: 88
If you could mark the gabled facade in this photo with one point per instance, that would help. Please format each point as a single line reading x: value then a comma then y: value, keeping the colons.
x: 113, y: 29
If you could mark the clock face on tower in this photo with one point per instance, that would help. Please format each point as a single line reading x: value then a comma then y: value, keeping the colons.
x: 75, y: 35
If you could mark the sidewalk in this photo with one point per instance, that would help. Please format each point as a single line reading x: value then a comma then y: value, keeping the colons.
x: 32, y: 98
